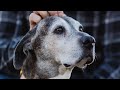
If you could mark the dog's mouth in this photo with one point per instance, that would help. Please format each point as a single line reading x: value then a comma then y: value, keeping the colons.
x: 82, y: 63
x: 85, y: 62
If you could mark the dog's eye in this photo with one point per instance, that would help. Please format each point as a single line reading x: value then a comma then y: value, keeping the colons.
x: 81, y: 28
x: 59, y: 30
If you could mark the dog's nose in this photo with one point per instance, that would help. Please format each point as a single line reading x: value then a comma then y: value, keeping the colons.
x: 88, y: 41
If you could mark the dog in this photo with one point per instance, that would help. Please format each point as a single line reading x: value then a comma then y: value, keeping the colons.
x: 53, y: 48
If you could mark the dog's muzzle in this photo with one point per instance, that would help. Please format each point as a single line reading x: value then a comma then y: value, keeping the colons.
x: 88, y: 43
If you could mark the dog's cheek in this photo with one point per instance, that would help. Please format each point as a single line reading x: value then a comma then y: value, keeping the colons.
x: 29, y: 65
x: 47, y: 68
x: 36, y: 42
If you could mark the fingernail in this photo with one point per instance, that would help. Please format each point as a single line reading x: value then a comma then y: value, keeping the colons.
x: 61, y: 13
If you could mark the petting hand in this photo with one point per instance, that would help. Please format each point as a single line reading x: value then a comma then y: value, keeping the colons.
x: 36, y: 16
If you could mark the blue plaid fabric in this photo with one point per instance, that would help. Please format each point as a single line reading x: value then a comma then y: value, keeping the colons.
x: 103, y: 25
x: 13, y: 25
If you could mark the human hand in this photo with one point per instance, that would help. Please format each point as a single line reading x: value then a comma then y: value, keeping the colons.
x: 36, y: 16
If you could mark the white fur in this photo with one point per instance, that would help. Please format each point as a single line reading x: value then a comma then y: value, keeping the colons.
x: 64, y: 73
x: 67, y: 44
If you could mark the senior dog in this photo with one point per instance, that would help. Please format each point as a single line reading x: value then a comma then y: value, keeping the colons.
x: 53, y: 48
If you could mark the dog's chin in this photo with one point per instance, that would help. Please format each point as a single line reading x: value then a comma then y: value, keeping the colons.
x: 64, y: 72
x: 83, y: 63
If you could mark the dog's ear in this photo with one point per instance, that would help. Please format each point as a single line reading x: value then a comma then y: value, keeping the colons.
x: 23, y: 48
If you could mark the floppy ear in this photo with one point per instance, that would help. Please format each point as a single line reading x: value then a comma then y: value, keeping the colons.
x: 22, y: 48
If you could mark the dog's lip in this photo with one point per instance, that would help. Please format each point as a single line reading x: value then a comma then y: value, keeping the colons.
x: 69, y: 66
x: 89, y: 60
x: 84, y: 62
x: 66, y: 65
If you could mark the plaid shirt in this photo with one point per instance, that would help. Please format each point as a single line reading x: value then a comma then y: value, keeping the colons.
x: 103, y: 25
x: 13, y: 25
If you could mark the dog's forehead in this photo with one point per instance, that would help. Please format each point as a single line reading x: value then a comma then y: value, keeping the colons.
x: 71, y: 21
x: 56, y: 20
x: 47, y: 22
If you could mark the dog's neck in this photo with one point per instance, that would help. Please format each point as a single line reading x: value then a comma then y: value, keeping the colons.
x: 64, y: 73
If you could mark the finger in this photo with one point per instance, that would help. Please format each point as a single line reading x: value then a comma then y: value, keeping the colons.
x: 61, y: 13
x: 43, y: 14
x: 56, y: 13
x: 34, y: 19
x: 53, y: 13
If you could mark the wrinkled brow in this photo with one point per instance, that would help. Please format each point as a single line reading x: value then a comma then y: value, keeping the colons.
x: 49, y: 21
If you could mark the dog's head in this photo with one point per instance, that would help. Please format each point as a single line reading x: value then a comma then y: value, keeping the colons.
x: 54, y: 46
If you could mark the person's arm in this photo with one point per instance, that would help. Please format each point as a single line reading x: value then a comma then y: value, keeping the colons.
x: 36, y: 16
